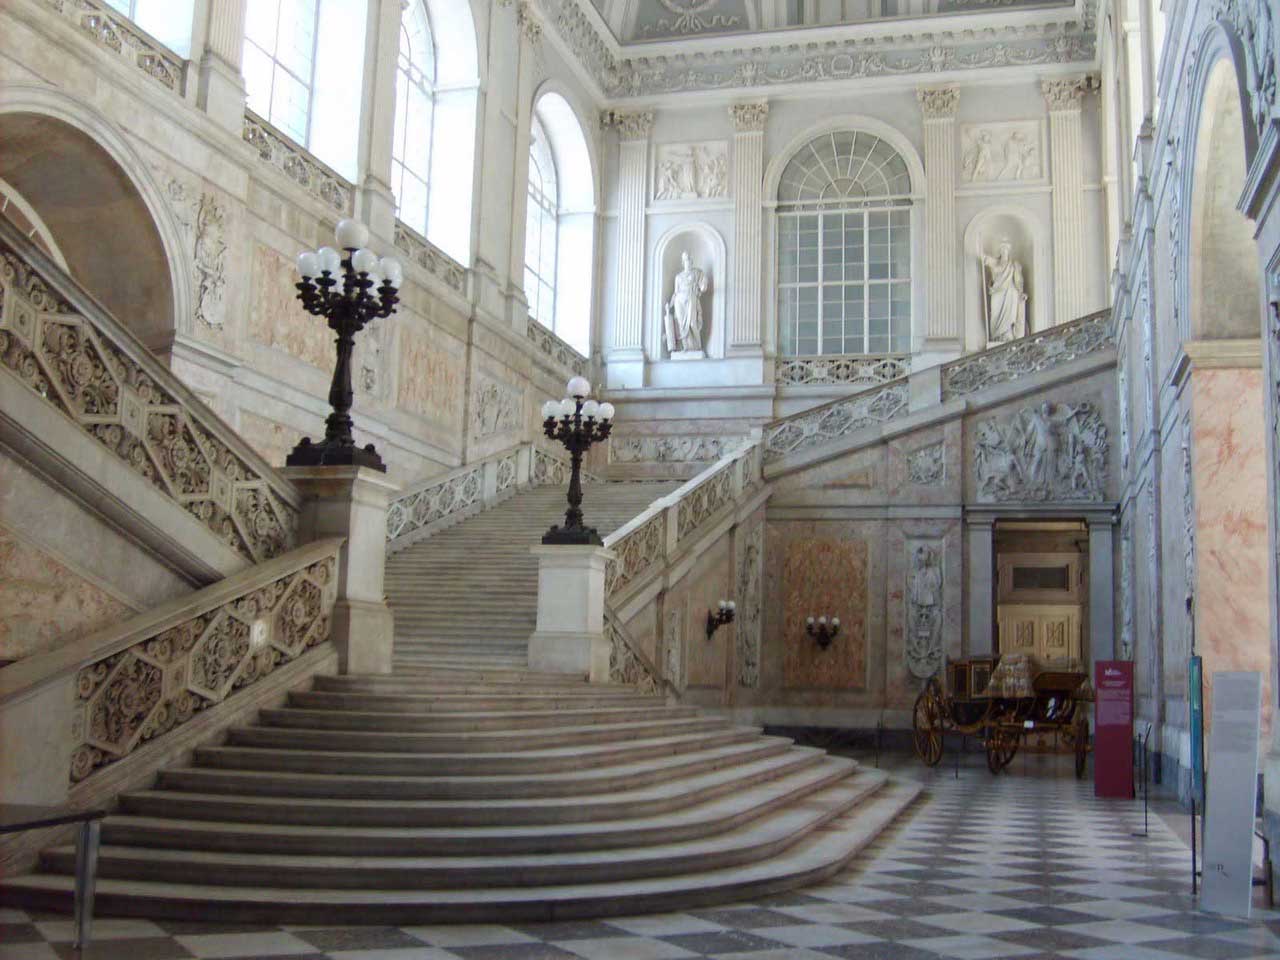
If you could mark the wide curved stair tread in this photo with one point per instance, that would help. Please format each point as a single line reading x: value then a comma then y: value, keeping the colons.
x: 464, y: 787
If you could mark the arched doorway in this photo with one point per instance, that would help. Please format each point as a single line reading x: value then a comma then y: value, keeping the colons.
x: 90, y: 210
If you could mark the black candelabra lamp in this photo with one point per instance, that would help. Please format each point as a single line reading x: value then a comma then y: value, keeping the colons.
x: 822, y: 630
x: 349, y: 292
x: 718, y: 618
x: 576, y: 422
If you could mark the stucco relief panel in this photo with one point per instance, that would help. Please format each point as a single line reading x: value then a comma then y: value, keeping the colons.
x: 431, y: 378
x: 825, y: 577
x: 691, y: 171
x: 277, y: 319
x: 496, y: 408
x: 1007, y: 152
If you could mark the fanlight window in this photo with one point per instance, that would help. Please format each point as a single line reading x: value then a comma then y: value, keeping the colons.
x: 415, y: 110
x: 844, y: 248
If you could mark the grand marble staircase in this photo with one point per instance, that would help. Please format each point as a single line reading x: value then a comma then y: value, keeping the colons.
x: 464, y: 787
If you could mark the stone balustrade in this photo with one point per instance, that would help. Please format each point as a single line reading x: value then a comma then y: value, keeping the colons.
x: 854, y: 371
x: 115, y: 34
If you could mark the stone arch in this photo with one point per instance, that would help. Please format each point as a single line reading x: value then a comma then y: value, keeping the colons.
x: 99, y: 204
x: 1224, y: 280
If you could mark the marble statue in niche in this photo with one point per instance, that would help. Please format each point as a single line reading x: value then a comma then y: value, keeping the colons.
x: 1005, y: 295
x: 682, y: 314
x: 1046, y: 452
x: 692, y: 171
x: 924, y: 611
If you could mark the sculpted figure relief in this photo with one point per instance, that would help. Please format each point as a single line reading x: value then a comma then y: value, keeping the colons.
x: 1046, y: 452
x: 682, y: 319
x: 924, y: 612
x: 1006, y: 296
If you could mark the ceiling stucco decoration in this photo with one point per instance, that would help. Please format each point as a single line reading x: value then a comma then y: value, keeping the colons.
x: 720, y: 63
x: 682, y: 18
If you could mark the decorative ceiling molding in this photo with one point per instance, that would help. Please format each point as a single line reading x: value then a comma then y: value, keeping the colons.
x: 735, y: 63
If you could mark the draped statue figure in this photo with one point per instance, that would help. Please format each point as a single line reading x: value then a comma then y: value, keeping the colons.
x: 1006, y: 299
x: 682, y: 321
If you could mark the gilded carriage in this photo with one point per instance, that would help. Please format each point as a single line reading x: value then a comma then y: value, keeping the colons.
x: 1005, y: 703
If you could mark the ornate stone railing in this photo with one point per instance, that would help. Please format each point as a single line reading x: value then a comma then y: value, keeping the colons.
x: 115, y: 33
x: 1030, y: 354
x: 61, y: 345
x: 557, y: 350
x: 627, y: 661
x: 643, y: 546
x: 435, y: 503
x: 835, y: 420
x: 850, y: 370
x: 296, y: 163
x: 136, y: 681
x: 431, y: 258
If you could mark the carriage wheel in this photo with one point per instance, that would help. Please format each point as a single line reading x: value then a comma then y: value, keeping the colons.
x: 926, y: 723
x: 1082, y: 744
x: 1001, y: 748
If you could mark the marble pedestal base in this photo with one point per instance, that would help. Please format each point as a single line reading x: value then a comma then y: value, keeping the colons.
x: 689, y: 355
x: 570, y: 632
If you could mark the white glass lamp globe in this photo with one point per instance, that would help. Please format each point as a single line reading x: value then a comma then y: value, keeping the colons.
x: 568, y: 407
x: 809, y: 621
x: 606, y: 411
x: 351, y: 234
x: 835, y: 621
x: 733, y: 605
x: 308, y: 265
x: 550, y: 409
x: 392, y: 272
x: 589, y: 408
x: 364, y: 261
x: 330, y: 260
x: 822, y: 621
x: 578, y: 387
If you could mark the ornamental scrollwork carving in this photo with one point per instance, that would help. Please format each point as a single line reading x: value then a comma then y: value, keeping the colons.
x: 496, y: 408
x: 111, y: 32
x: 431, y: 258
x: 704, y: 501
x: 72, y: 363
x: 1041, y: 453
x: 1068, y: 93
x: 668, y: 449
x: 635, y: 553
x: 747, y: 632
x: 938, y: 103
x: 636, y: 125
x: 161, y: 681
x: 626, y: 665
x: 556, y: 349
x: 926, y: 467
x: 1027, y: 355
x: 923, y: 646
x: 457, y: 494
x: 858, y: 371
x: 748, y: 117
x: 834, y: 421
x: 294, y: 162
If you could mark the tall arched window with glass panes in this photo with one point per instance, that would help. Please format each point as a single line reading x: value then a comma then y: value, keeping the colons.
x: 415, y: 118
x: 844, y: 248
x: 540, y: 238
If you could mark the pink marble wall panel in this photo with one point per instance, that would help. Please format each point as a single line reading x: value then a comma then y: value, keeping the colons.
x: 825, y: 577
x: 431, y: 376
x: 43, y: 603
x: 1230, y: 470
x: 277, y: 319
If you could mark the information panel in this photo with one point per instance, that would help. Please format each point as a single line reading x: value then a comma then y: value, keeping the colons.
x: 1113, y: 729
x: 1231, y: 793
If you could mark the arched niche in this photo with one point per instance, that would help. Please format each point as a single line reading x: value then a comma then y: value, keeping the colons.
x: 101, y: 211
x: 706, y: 249
x: 1030, y: 242
x: 1224, y: 277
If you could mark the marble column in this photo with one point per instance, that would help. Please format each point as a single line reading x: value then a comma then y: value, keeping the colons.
x: 944, y: 330
x: 626, y: 346
x: 375, y: 203
x: 1102, y: 590
x: 981, y: 588
x: 1070, y: 273
x: 220, y: 89
x: 748, y: 202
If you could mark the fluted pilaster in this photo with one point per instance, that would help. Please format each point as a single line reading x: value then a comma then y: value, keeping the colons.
x: 748, y: 201
x: 1063, y: 98
x: 633, y: 153
x: 942, y: 287
x: 225, y: 35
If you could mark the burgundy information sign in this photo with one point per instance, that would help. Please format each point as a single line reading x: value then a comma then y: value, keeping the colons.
x: 1113, y: 729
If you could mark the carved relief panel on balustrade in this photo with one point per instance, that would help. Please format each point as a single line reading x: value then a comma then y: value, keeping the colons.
x: 924, y: 467
x: 923, y: 614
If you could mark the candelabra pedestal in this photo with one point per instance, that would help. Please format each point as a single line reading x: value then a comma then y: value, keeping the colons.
x: 570, y: 630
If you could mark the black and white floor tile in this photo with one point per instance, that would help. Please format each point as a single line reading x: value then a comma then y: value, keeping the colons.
x: 1028, y: 865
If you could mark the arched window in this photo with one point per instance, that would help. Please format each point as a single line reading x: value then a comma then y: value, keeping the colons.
x: 169, y: 21
x: 844, y: 248
x: 540, y: 231
x: 560, y: 223
x: 300, y: 75
x: 415, y: 109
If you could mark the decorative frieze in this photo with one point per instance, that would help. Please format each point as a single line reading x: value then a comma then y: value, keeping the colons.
x: 926, y: 467
x: 1046, y: 452
x: 113, y: 33
x: 748, y: 117
x: 858, y: 371
x: 73, y: 364
x: 923, y: 596
x: 549, y: 345
x: 431, y: 258
x: 668, y: 449
x: 164, y: 679
x: 691, y: 171
x: 834, y: 421
x: 294, y: 162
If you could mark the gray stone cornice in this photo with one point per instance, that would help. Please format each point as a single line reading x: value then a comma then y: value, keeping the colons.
x: 737, y: 63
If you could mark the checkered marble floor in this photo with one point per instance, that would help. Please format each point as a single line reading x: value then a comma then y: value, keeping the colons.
x: 1028, y: 864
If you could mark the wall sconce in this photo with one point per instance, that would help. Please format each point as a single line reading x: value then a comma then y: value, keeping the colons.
x: 718, y: 618
x: 822, y: 630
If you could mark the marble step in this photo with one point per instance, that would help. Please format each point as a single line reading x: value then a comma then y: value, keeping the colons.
x: 405, y: 786
x: 601, y: 717
x: 408, y: 703
x: 424, y: 686
x: 714, y: 816
x: 819, y: 855
x: 469, y: 764
x: 331, y: 811
x: 758, y: 839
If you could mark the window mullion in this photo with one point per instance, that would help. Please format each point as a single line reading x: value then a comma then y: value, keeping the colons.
x: 315, y: 50
x: 822, y: 276
x: 866, y: 281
